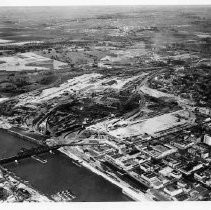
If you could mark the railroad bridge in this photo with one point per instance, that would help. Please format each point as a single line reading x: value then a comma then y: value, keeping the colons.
x: 27, y: 153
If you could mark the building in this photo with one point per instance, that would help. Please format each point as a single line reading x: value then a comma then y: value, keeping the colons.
x: 175, y: 174
x: 182, y: 184
x: 157, y: 184
x: 173, y: 163
x: 200, y: 150
x: 166, y: 171
x: 200, y: 176
x: 182, y: 143
x: 129, y: 163
x: 207, y: 139
x: 172, y: 190
x: 204, y: 110
x: 149, y: 177
x: 159, y: 151
x: 146, y: 167
x: 1, y: 176
x: 141, y: 158
x: 204, y: 177
x: 189, y: 167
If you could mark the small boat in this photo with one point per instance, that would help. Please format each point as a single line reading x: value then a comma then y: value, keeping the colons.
x: 120, y: 173
x: 76, y: 162
x: 39, y: 159
x: 51, y: 152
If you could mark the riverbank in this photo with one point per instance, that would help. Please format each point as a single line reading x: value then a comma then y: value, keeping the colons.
x: 36, y: 196
x: 12, y: 183
x: 59, y: 173
x: 4, y: 124
x: 22, y: 136
x: 136, y: 196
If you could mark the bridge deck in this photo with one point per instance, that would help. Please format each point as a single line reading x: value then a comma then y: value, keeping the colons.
x: 39, y: 150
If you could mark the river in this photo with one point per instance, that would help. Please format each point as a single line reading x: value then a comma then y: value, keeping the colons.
x: 59, y: 173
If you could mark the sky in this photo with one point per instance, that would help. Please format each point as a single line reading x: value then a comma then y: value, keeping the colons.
x: 101, y: 2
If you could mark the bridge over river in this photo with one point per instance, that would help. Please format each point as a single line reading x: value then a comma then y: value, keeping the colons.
x: 26, y: 153
x: 58, y: 174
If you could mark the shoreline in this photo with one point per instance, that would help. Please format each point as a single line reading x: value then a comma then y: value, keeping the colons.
x: 22, y: 136
x: 125, y: 189
x: 37, y: 196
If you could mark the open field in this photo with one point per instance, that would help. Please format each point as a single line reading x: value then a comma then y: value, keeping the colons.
x: 150, y: 126
x: 12, y: 43
x: 28, y: 61
x: 3, y: 41
x: 87, y: 83
x: 3, y: 99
